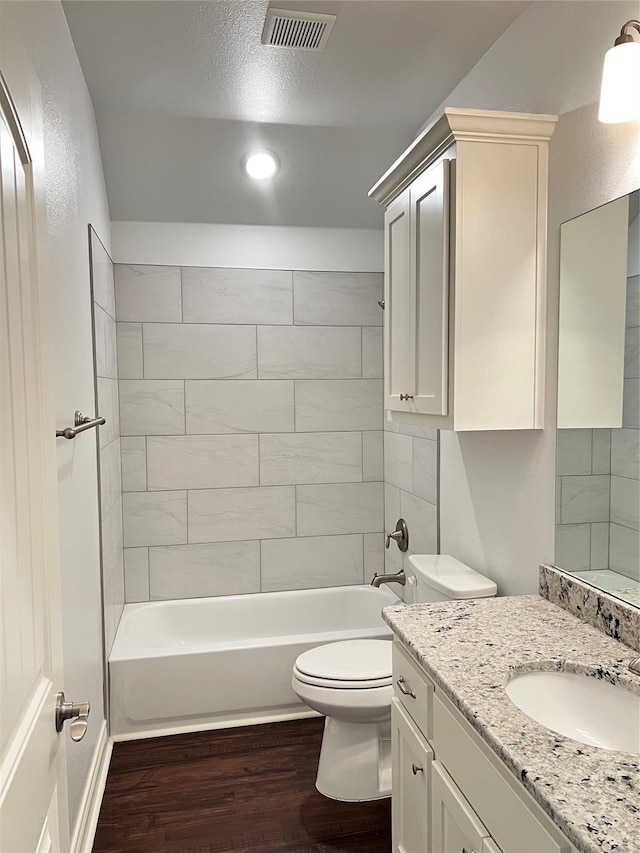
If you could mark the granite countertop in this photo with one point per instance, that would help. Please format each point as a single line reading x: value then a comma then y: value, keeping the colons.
x: 469, y: 647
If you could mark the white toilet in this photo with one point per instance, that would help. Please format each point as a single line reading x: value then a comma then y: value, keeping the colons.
x: 350, y: 683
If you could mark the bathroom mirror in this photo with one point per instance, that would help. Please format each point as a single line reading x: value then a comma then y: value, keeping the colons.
x: 597, y: 461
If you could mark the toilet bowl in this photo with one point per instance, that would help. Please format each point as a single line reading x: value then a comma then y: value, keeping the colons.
x: 350, y: 683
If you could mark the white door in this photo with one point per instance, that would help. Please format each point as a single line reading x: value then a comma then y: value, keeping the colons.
x: 33, y: 807
x: 456, y: 827
x: 410, y: 778
x: 397, y: 305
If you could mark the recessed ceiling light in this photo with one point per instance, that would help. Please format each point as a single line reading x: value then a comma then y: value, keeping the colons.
x: 261, y: 165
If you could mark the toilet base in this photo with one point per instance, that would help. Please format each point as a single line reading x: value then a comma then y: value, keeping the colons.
x: 355, y: 761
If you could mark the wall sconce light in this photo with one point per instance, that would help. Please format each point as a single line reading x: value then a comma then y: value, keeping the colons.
x: 620, y: 92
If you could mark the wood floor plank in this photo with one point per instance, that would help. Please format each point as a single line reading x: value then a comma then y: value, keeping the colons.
x: 242, y: 790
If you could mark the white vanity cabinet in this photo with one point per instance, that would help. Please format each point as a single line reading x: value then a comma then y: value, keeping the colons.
x: 465, y: 271
x: 450, y: 793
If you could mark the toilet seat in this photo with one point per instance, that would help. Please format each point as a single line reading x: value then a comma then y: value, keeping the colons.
x: 347, y: 665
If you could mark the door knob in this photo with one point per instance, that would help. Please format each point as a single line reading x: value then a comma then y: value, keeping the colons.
x: 406, y: 396
x: 77, y: 712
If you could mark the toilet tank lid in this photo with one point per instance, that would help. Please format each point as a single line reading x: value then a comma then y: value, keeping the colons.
x: 451, y: 577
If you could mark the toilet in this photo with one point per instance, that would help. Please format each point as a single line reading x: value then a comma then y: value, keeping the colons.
x: 350, y: 683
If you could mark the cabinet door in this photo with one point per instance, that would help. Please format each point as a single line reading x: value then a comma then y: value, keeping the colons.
x: 429, y: 339
x: 398, y: 311
x: 410, y: 779
x: 455, y: 826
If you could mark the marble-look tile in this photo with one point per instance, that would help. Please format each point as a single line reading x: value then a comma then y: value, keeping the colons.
x: 243, y: 405
x: 398, y: 460
x: 625, y: 502
x: 599, y: 545
x: 112, y: 541
x: 631, y: 404
x: 373, y: 555
x: 109, y: 613
x: 195, y: 571
x: 196, y: 351
x: 228, y: 515
x: 418, y: 431
x: 102, y: 279
x: 624, y: 551
x: 134, y: 463
x: 372, y: 352
x: 202, y: 461
x: 337, y: 299
x: 573, y: 547
x: 311, y: 562
x: 372, y: 456
x: 625, y: 453
x: 217, y: 295
x: 338, y: 404
x: 342, y: 508
x: 394, y: 560
x: 632, y: 353
x: 601, y: 451
x: 107, y: 407
x: 632, y: 315
x: 307, y: 458
x: 584, y: 499
x: 314, y: 352
x: 422, y: 521
x: 155, y: 518
x: 391, y: 507
x: 573, y: 451
x: 105, y: 344
x: 136, y: 574
x: 425, y: 469
x: 110, y: 476
x: 389, y: 425
x: 148, y: 293
x: 130, y: 364
x: 151, y: 406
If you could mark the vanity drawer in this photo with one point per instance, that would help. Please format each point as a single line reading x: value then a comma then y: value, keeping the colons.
x: 509, y: 812
x: 413, y: 689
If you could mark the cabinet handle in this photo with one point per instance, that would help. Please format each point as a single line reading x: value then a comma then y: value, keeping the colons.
x: 415, y: 769
x: 407, y: 691
x: 406, y: 396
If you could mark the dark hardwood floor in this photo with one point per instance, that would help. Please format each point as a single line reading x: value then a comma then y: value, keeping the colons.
x: 244, y: 790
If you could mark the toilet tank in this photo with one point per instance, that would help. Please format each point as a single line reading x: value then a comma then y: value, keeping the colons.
x: 439, y: 577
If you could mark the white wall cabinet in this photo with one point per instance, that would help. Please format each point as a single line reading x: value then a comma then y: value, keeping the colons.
x: 465, y: 272
x: 450, y: 793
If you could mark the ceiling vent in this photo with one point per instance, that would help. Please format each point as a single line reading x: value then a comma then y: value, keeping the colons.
x: 301, y: 30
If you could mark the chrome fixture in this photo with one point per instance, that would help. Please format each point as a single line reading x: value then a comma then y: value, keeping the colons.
x: 400, y: 534
x: 381, y: 303
x: 80, y: 424
x: 399, y: 577
x: 416, y: 768
x: 620, y: 92
x: 406, y: 691
x: 634, y: 666
x: 76, y: 711
x: 406, y: 396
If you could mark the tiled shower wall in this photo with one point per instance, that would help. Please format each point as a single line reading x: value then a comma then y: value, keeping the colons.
x: 411, y: 489
x: 104, y: 328
x: 251, y: 416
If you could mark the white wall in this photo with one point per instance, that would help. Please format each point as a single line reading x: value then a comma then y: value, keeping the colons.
x: 76, y: 196
x: 497, y: 489
x: 248, y: 246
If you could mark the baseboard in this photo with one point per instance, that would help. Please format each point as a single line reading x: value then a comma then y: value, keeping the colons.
x: 221, y: 723
x: 87, y: 822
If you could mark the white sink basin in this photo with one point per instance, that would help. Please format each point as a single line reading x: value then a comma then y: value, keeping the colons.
x: 579, y: 706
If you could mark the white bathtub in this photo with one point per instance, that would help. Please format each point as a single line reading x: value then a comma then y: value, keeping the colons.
x: 212, y: 662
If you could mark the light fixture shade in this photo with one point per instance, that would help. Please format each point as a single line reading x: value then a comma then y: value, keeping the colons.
x: 620, y: 92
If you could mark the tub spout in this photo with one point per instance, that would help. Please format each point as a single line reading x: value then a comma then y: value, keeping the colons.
x: 399, y: 577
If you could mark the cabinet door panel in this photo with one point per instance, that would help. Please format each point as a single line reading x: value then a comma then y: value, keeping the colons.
x: 456, y: 827
x: 411, y: 778
x: 397, y: 295
x: 430, y: 276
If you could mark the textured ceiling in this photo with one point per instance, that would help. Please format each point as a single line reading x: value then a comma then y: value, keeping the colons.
x: 183, y: 89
